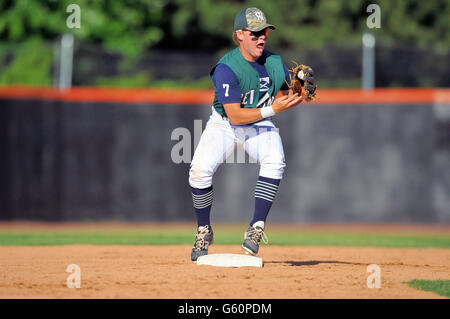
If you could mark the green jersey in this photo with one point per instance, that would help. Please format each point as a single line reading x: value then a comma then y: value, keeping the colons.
x: 249, y: 79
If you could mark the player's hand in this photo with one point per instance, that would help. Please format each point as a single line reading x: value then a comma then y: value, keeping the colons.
x: 285, y: 102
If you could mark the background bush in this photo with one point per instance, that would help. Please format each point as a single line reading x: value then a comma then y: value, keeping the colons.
x: 131, y: 29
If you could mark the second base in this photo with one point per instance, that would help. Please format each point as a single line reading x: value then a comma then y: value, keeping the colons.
x: 230, y: 260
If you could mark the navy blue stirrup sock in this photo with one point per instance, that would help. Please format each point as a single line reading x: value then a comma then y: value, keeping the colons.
x: 202, y: 199
x: 265, y: 191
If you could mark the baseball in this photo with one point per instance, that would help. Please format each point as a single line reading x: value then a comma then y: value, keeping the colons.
x: 300, y: 75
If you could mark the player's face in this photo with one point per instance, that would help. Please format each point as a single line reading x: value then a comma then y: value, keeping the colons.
x: 253, y: 43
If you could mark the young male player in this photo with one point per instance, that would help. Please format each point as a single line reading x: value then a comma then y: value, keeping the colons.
x: 246, y: 82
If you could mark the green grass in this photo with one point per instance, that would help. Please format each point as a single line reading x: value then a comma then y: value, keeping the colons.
x: 153, y: 236
x: 441, y: 287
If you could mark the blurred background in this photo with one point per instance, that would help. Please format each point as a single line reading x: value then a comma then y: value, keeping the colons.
x: 72, y: 158
x: 174, y: 43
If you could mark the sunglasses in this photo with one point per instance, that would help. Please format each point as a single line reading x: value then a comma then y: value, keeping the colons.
x: 257, y: 34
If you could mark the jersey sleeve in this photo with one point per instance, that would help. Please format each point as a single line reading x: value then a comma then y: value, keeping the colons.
x: 226, y: 84
x: 287, y: 78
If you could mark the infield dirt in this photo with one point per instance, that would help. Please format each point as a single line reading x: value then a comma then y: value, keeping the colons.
x: 167, y: 272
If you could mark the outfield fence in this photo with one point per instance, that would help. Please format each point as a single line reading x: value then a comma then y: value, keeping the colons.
x: 104, y: 154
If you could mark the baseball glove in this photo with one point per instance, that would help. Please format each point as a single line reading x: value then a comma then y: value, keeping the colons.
x: 302, y: 81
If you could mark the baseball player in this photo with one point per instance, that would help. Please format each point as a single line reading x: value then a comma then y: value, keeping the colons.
x: 246, y: 81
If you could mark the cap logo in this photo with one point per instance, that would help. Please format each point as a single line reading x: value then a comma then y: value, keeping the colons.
x: 255, y: 18
x: 259, y: 15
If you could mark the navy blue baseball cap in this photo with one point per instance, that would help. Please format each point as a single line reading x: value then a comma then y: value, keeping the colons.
x: 251, y: 19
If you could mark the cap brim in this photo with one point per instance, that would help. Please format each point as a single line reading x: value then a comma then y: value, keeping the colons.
x: 264, y: 26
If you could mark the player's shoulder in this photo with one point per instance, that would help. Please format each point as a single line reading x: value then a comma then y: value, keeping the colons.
x: 222, y: 69
x: 221, y: 65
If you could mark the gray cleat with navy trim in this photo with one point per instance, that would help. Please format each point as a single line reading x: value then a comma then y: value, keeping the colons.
x: 252, y: 239
x: 203, y: 239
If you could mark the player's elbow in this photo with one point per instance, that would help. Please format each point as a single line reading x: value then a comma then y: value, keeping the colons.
x: 233, y: 120
x: 233, y: 112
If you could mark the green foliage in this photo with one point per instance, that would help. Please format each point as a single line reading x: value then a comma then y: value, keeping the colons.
x: 132, y: 27
x: 441, y: 287
x: 423, y: 23
x: 316, y: 23
x: 128, y: 27
x: 31, y: 65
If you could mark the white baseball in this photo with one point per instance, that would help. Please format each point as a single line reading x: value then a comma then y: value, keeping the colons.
x: 300, y: 75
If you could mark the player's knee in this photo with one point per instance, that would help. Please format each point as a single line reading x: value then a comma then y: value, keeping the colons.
x: 199, y: 177
x: 273, y: 168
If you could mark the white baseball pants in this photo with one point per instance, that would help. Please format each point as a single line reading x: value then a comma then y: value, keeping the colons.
x: 260, y: 140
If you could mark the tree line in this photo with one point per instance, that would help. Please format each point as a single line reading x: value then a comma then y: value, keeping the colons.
x: 133, y: 27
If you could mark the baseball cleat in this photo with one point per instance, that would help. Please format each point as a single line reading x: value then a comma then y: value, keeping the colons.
x: 203, y: 239
x: 252, y: 239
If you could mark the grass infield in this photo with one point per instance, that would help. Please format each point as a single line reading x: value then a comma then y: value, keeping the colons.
x: 441, y: 287
x: 223, y: 235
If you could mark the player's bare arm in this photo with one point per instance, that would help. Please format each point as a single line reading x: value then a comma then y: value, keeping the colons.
x: 239, y: 116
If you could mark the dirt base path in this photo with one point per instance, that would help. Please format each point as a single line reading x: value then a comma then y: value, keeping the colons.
x: 166, y: 272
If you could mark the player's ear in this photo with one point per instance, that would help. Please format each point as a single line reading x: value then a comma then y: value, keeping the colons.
x: 240, y: 35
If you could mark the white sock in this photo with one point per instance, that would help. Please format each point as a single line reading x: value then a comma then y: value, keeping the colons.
x: 259, y: 223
